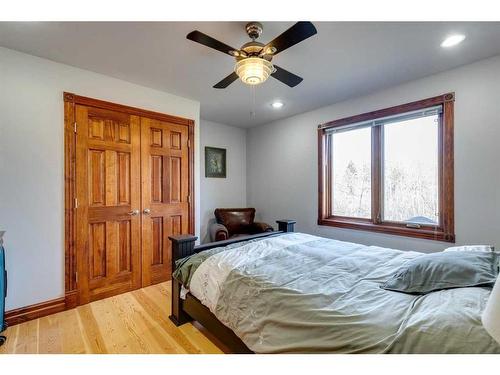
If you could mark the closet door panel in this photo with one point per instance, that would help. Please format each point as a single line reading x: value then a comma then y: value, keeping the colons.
x: 165, y: 194
x: 107, y: 192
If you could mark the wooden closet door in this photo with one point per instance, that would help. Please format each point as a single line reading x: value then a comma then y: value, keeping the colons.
x: 165, y: 194
x: 108, y: 203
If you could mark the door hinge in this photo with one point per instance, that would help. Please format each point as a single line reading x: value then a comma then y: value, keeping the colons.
x: 76, y: 277
x: 188, y: 144
x: 189, y: 199
x: 76, y: 202
x: 75, y: 126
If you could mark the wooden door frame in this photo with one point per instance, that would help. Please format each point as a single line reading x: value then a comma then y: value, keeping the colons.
x: 70, y: 130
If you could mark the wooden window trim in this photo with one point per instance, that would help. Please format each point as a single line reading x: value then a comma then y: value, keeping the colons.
x: 445, y: 231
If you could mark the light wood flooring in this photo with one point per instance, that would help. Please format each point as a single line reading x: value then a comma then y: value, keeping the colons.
x: 134, y: 322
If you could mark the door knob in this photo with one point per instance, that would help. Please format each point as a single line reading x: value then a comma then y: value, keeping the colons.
x: 134, y: 212
x: 146, y: 211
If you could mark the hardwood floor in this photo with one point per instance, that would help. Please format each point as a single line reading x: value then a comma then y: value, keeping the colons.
x: 134, y: 322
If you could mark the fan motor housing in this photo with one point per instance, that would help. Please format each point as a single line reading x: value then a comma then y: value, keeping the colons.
x: 253, y: 48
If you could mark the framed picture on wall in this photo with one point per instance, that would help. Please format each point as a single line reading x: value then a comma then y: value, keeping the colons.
x: 215, y: 162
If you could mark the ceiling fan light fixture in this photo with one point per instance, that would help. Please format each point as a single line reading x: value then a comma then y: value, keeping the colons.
x: 254, y: 70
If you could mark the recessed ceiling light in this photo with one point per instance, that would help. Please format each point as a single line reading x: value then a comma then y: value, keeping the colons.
x: 453, y: 40
x: 277, y: 104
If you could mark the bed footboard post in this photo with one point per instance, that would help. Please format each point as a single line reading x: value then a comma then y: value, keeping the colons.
x: 182, y: 246
x: 285, y: 225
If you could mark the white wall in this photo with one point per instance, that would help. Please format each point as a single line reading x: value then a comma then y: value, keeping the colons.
x: 31, y: 163
x: 222, y: 192
x: 282, y: 158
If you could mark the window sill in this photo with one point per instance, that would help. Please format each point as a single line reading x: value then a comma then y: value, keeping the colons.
x: 395, y: 229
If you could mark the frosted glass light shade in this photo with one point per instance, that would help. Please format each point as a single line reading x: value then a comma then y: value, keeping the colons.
x: 253, y: 70
x: 491, y: 314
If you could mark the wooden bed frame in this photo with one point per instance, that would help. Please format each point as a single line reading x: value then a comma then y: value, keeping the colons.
x: 190, y: 308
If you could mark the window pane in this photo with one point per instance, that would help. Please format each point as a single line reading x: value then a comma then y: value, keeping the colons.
x: 411, y: 171
x: 351, y: 153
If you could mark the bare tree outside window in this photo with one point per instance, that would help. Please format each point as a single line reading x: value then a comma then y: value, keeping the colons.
x: 411, y: 171
x: 352, y: 173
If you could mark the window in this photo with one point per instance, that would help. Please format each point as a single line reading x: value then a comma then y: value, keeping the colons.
x: 390, y: 170
x: 351, y: 169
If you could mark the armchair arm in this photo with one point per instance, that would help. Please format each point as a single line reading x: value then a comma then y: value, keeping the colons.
x: 218, y: 232
x: 261, y: 227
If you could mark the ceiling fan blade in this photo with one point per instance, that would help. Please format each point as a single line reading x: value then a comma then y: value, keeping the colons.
x: 286, y: 77
x: 226, y: 81
x: 295, y: 34
x: 199, y: 37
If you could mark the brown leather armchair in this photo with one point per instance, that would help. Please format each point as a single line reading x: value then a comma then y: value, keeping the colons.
x: 234, y: 222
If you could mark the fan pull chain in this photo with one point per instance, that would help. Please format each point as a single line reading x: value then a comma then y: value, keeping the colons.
x: 252, y: 112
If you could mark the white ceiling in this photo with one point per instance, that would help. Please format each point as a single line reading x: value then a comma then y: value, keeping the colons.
x: 343, y: 60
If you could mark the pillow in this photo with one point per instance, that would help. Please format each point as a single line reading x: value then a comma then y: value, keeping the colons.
x: 471, y: 248
x: 445, y: 270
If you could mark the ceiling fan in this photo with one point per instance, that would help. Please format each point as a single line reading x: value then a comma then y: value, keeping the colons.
x: 253, y: 59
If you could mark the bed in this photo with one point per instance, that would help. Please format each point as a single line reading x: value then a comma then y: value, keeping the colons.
x: 287, y: 292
